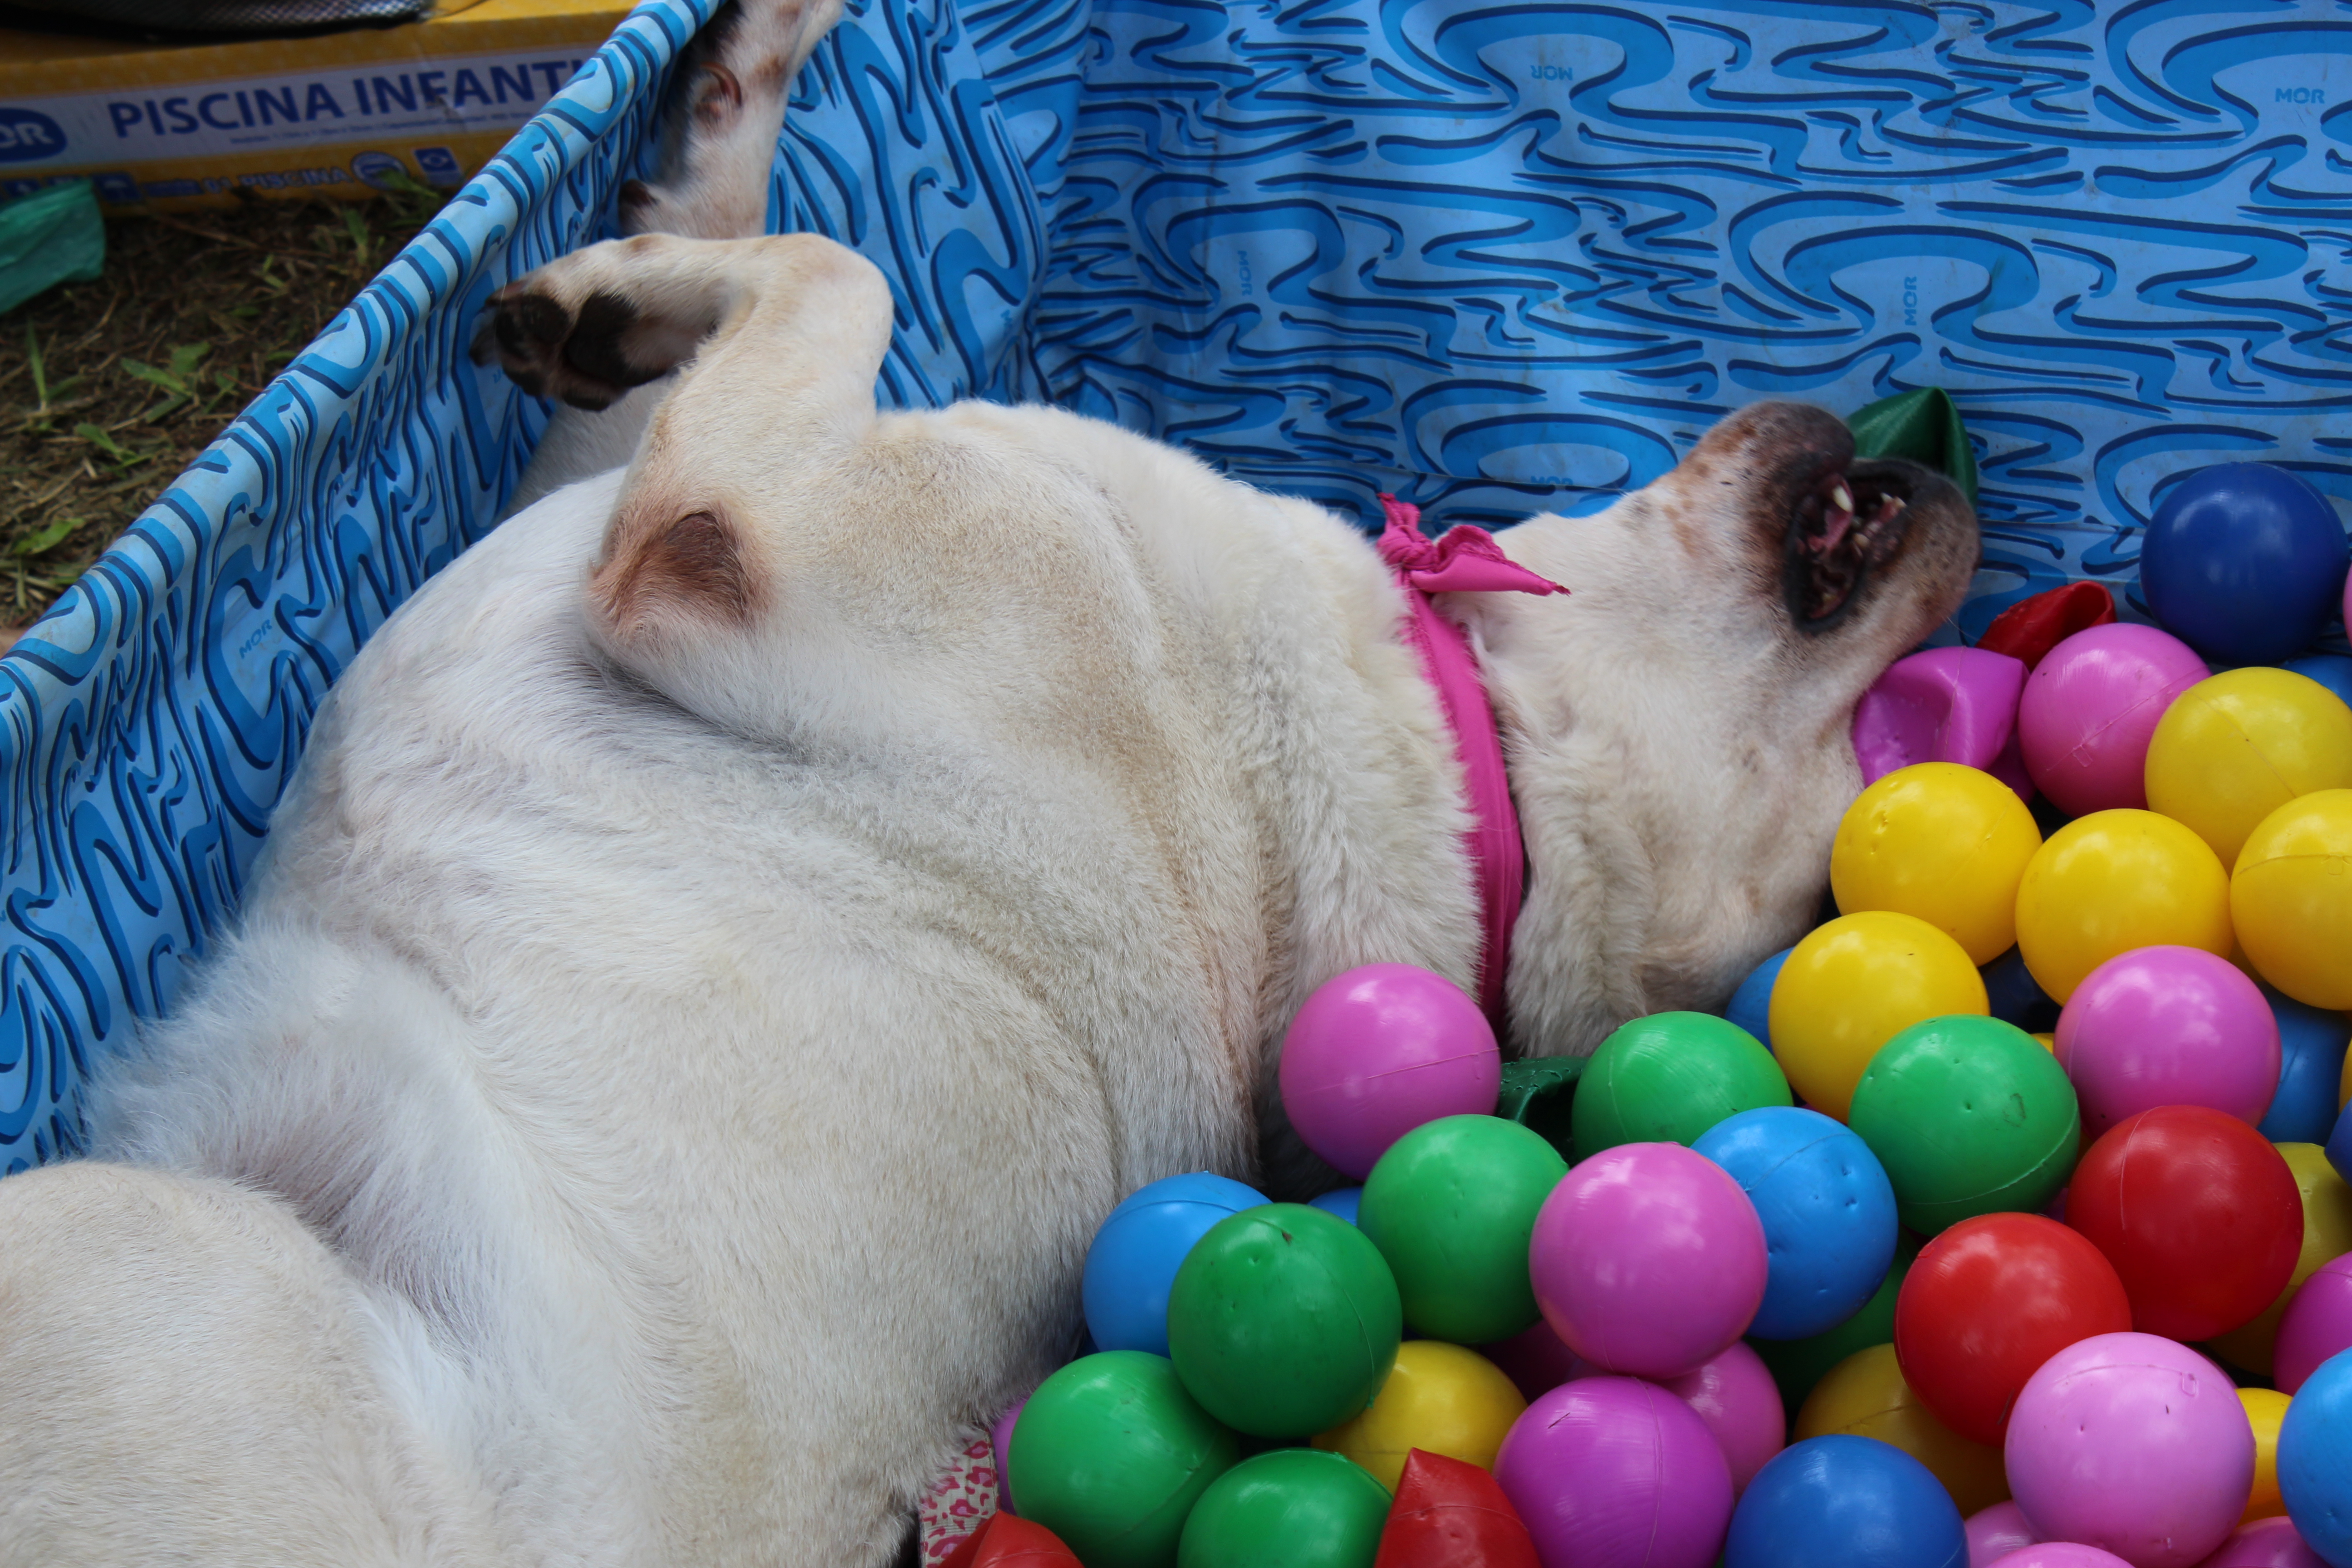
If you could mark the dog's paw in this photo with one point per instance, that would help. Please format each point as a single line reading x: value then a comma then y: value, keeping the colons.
x: 576, y: 330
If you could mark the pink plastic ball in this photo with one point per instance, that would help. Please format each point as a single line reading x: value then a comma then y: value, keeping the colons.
x: 2090, y: 708
x: 1612, y: 1473
x: 2168, y: 1026
x: 1378, y: 1050
x: 2265, y: 1544
x: 2059, y: 1554
x: 2135, y: 1444
x: 1536, y: 1360
x: 1994, y: 1532
x: 1735, y: 1394
x: 1648, y: 1259
x: 999, y: 1439
x: 2318, y: 1324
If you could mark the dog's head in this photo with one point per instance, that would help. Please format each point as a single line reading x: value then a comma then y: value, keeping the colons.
x: 1679, y: 726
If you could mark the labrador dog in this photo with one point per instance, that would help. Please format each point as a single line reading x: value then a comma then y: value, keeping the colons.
x: 736, y: 930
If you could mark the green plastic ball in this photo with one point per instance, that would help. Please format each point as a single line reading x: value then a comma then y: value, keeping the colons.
x: 1111, y: 1453
x: 1969, y: 1116
x: 1668, y: 1077
x: 1452, y: 1206
x: 1283, y: 1322
x: 1797, y: 1364
x: 1295, y: 1508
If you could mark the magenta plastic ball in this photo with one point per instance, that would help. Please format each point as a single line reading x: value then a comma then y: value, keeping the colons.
x: 2168, y: 1026
x: 1733, y: 1394
x: 1994, y: 1532
x: 999, y: 1438
x: 2090, y: 708
x: 2318, y: 1324
x: 1612, y: 1472
x: 2265, y: 1544
x: 2059, y: 1554
x: 2135, y: 1444
x: 1378, y: 1050
x: 1648, y: 1259
x: 1535, y: 1360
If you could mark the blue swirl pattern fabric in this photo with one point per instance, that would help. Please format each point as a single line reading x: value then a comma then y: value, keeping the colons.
x: 1496, y: 258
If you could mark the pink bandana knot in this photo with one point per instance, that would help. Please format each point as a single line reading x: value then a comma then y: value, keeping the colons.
x: 1467, y: 559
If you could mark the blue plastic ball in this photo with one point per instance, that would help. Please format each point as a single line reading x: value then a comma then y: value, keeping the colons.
x: 1828, y: 1211
x: 1751, y: 1005
x: 1845, y: 1503
x: 2338, y: 1147
x: 1343, y: 1202
x: 2016, y: 997
x: 2314, y: 1460
x: 2332, y: 670
x: 2245, y: 563
x: 1136, y: 1254
x: 2311, y: 1068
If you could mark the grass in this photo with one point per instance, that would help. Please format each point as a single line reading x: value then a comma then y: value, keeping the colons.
x: 109, y: 389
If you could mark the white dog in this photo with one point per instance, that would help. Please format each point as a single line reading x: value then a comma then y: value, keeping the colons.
x: 738, y: 930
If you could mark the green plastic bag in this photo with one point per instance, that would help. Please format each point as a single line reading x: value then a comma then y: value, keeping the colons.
x: 1923, y: 426
x: 49, y: 238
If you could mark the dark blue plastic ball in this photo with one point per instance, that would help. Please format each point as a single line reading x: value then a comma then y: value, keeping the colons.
x: 1845, y: 1503
x: 1346, y: 1201
x: 1828, y: 1212
x: 2311, y: 1069
x: 1136, y: 1254
x: 2245, y: 563
x: 2332, y: 670
x: 2016, y: 997
x: 1751, y: 1005
x: 2315, y: 1459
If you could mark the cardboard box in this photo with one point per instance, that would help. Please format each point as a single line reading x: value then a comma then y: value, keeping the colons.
x: 169, y: 127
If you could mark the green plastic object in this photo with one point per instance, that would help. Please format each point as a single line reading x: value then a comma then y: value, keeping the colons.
x: 1295, y: 1508
x: 1668, y: 1077
x: 54, y: 236
x: 1451, y: 1206
x: 1283, y: 1322
x: 1539, y: 1095
x: 1111, y: 1453
x: 1797, y: 1364
x: 1922, y: 424
x: 1969, y: 1116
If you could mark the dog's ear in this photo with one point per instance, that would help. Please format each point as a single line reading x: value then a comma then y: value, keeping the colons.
x: 669, y: 573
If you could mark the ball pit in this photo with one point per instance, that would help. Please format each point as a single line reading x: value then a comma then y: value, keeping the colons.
x: 1438, y: 1397
x: 1134, y: 1254
x: 1945, y: 843
x: 2090, y: 708
x: 1451, y: 1207
x: 1866, y: 1396
x: 1612, y: 1472
x: 1293, y: 1508
x: 1827, y: 1211
x: 1845, y: 1503
x: 2315, y: 1459
x: 2168, y: 1026
x: 1111, y: 1453
x: 2113, y: 881
x: 2231, y: 750
x: 2327, y: 1234
x: 1376, y: 1052
x: 1968, y: 1115
x: 2243, y: 559
x: 1668, y: 1077
x: 2291, y: 898
x: 1853, y: 984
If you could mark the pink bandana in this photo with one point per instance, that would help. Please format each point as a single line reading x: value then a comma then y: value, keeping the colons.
x: 1465, y: 560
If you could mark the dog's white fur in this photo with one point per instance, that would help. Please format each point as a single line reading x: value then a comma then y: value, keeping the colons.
x: 734, y: 933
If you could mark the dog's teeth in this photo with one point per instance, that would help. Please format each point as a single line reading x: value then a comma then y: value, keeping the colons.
x: 1842, y: 498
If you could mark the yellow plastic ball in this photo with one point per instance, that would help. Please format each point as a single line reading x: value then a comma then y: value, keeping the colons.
x: 2265, y: 1408
x: 2231, y: 750
x: 2047, y: 1042
x: 2111, y: 882
x: 1440, y: 1397
x: 2327, y: 1233
x: 1850, y: 987
x: 1864, y: 1395
x: 2291, y: 897
x: 1945, y: 843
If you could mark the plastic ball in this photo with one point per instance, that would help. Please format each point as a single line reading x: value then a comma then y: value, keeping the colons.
x: 2015, y: 995
x: 2244, y: 560
x: 1866, y: 1396
x: 1945, y: 843
x: 2231, y: 750
x: 1448, y: 1514
x: 1284, y: 1321
x: 1343, y: 1202
x: 2113, y: 881
x: 1451, y: 1207
x: 2059, y: 1554
x: 1000, y: 1444
x: 1735, y: 1396
x: 2133, y: 1443
x: 1536, y: 1360
x: 2202, y: 1219
x: 1853, y: 984
x: 1439, y: 1397
x: 2291, y: 898
x: 2311, y: 1066
x: 1750, y: 1006
x: 1843, y: 1501
x: 1996, y: 1531
x: 1612, y: 1472
x: 1796, y: 1365
x: 1003, y: 1541
x: 2327, y: 1234
x: 1291, y: 1508
x: 1969, y: 1116
x: 2090, y: 708
x: 2332, y: 670
x: 2168, y: 1026
x: 2315, y: 1459
x: 1134, y: 1256
x: 1668, y: 1077
x: 1988, y: 1302
x: 1827, y: 1211
x: 2265, y: 1543
x: 1111, y: 1453
x: 1376, y: 1052
x: 1648, y: 1259
x: 2317, y: 1326
x: 2265, y: 1408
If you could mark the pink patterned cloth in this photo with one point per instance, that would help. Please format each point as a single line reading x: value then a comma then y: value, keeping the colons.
x: 1465, y: 560
x: 960, y: 1501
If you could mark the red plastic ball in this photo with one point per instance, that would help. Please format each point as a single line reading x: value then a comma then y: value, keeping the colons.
x: 2200, y: 1216
x: 1449, y: 1513
x: 1986, y: 1303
